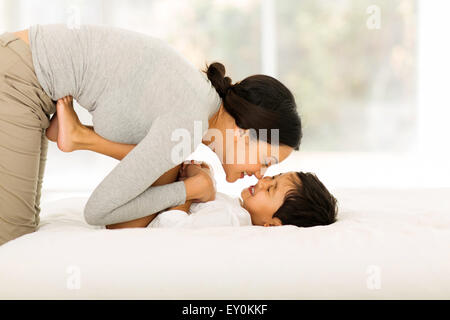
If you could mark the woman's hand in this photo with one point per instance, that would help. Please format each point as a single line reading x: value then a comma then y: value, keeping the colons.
x: 190, y: 168
x: 168, y: 177
x: 199, y: 182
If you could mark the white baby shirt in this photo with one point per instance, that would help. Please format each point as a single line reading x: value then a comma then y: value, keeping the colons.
x: 221, y: 212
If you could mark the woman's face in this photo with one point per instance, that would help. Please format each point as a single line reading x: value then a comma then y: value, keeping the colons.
x: 250, y: 157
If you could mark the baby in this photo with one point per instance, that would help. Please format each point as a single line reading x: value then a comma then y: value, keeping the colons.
x: 292, y: 198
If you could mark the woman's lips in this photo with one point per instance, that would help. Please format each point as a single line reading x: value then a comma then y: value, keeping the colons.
x: 245, y: 173
x: 251, y: 189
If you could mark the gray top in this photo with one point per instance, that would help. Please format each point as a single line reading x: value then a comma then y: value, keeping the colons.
x: 138, y: 90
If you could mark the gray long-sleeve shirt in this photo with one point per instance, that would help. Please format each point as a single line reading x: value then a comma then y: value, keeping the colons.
x: 139, y: 90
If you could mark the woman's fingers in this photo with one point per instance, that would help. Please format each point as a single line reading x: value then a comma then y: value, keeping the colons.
x: 197, y: 162
x: 190, y: 168
x: 205, y: 165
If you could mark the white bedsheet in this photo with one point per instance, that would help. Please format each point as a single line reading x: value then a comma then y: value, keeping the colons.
x: 387, y: 244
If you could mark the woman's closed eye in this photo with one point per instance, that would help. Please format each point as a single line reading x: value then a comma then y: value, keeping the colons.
x: 268, y: 162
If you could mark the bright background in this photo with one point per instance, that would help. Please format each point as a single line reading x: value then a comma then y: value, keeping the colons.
x: 371, y: 78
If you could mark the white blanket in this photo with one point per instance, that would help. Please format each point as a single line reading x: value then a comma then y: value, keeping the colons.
x: 387, y: 244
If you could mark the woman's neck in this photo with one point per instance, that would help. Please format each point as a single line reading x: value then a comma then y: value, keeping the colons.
x: 214, y: 123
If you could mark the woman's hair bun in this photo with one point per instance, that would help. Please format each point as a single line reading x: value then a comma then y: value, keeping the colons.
x: 259, y: 102
x: 216, y: 74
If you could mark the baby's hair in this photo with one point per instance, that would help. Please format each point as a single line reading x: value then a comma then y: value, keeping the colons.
x: 308, y: 203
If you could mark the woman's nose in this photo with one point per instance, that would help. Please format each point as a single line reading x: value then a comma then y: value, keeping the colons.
x: 258, y: 175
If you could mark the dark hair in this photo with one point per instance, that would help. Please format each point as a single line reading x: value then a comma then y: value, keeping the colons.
x: 308, y: 204
x: 259, y: 102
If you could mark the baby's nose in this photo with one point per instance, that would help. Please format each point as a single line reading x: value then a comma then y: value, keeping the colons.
x: 263, y: 183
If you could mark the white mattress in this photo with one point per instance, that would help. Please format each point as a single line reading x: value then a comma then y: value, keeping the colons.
x: 387, y: 244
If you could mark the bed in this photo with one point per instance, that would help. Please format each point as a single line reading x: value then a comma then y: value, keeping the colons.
x: 387, y: 244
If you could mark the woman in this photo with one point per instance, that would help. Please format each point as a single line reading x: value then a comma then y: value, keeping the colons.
x: 139, y: 91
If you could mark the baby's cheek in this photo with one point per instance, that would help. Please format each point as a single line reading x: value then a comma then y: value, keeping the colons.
x: 258, y: 203
x: 249, y: 204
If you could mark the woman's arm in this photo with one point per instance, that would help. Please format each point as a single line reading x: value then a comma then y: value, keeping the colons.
x: 128, y: 192
x: 168, y: 177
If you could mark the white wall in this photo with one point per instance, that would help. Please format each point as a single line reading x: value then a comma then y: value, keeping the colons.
x: 427, y: 165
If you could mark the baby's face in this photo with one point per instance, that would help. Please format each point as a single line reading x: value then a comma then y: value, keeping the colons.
x: 266, y: 197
